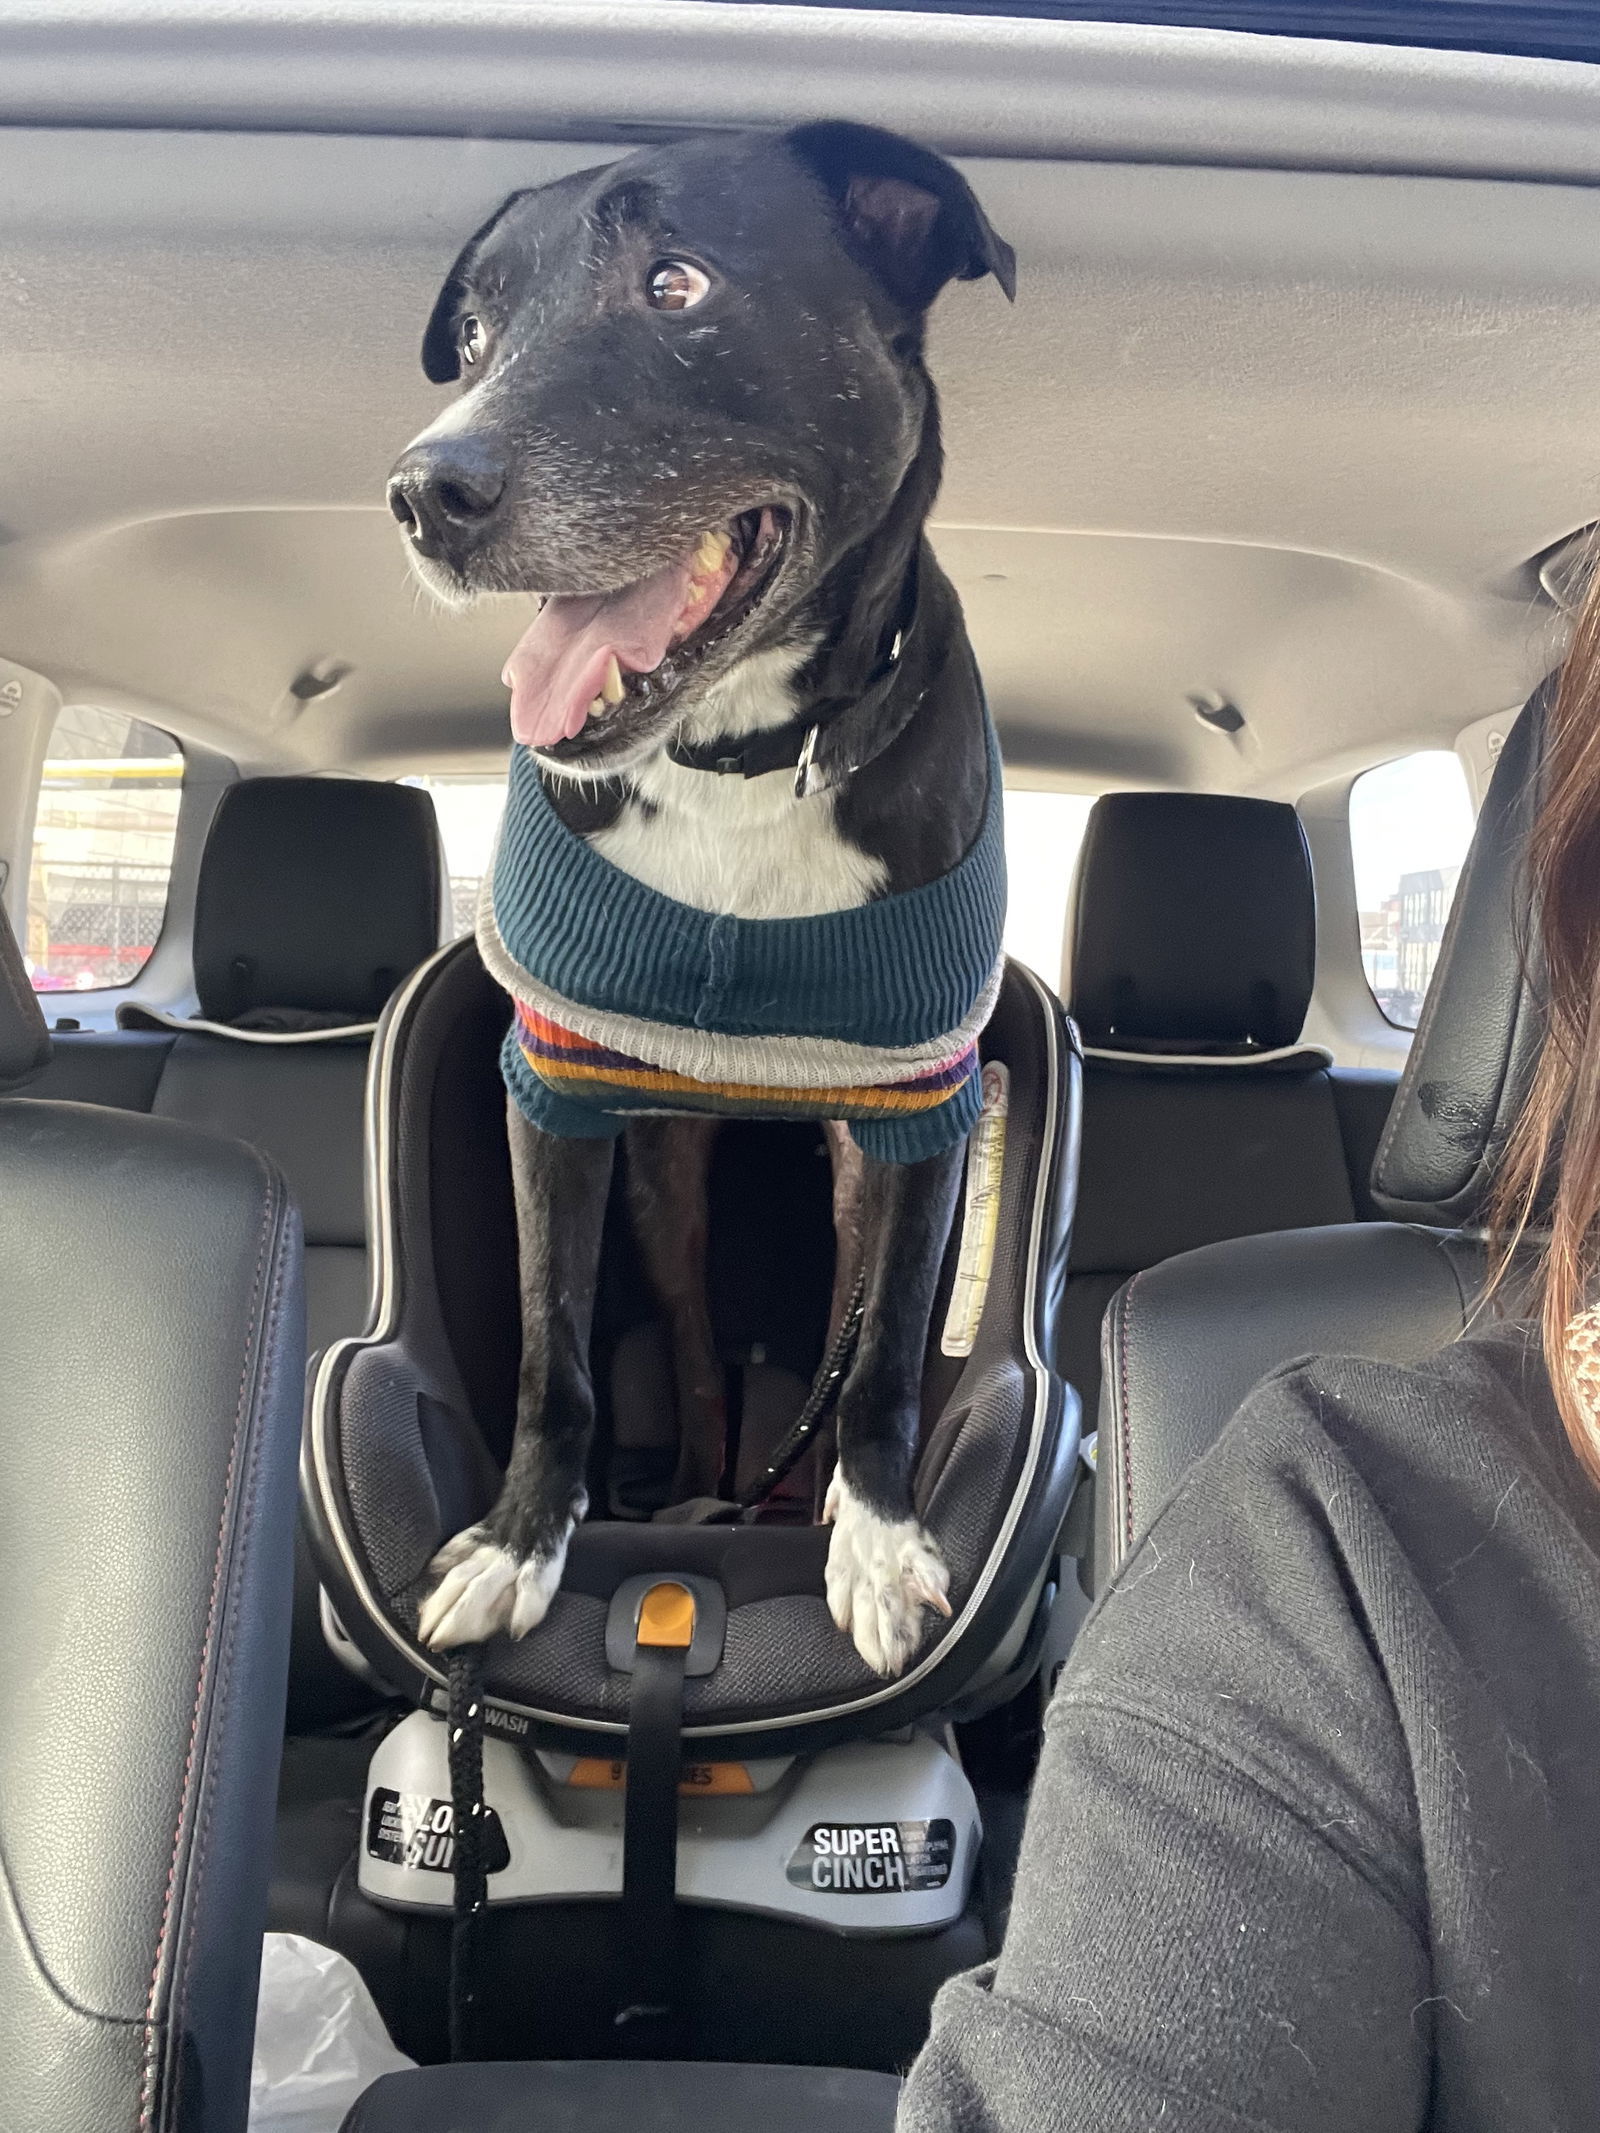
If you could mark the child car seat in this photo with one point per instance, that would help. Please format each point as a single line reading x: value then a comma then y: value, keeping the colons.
x: 409, y: 1424
x: 409, y: 1421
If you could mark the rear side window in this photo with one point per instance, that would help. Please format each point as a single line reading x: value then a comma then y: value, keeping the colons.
x: 1043, y: 833
x: 1410, y: 825
x: 468, y: 810
x: 102, y: 850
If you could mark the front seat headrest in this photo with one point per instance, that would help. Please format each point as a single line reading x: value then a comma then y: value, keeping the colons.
x: 1483, y: 1023
x: 315, y: 895
x: 1194, y: 925
x: 24, y: 1038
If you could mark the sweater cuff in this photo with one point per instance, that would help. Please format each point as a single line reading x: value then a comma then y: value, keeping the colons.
x: 542, y: 1107
x: 926, y: 1134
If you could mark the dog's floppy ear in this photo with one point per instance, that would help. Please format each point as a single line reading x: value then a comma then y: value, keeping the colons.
x: 441, y: 359
x: 905, y: 212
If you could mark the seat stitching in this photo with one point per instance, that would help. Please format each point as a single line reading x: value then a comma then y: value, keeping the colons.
x: 147, y: 2089
x: 224, y: 1689
x: 1124, y: 1333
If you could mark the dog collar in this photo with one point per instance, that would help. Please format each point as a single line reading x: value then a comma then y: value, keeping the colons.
x: 827, y: 726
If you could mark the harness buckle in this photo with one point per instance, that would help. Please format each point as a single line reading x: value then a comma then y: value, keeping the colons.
x: 802, y: 770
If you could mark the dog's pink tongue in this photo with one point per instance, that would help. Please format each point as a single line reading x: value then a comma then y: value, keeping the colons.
x: 559, y: 665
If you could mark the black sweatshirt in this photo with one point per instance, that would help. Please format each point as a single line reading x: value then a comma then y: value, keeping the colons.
x: 1315, y: 1840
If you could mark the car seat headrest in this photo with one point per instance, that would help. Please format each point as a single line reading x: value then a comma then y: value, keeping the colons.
x: 24, y: 1038
x: 1482, y: 1024
x: 1193, y: 927
x: 316, y: 895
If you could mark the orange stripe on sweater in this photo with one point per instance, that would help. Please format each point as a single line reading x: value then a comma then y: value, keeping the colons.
x: 658, y: 1082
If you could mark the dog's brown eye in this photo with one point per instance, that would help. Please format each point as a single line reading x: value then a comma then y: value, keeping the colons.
x: 675, y: 285
x: 472, y: 340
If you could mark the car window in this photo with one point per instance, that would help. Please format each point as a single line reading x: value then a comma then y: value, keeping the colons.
x: 1410, y: 825
x: 1542, y: 29
x: 102, y: 850
x: 1043, y: 832
x: 469, y: 810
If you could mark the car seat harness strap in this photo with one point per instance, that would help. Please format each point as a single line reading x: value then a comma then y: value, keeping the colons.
x: 648, y: 1936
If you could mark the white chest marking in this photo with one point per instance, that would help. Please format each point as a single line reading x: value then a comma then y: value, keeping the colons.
x: 742, y: 846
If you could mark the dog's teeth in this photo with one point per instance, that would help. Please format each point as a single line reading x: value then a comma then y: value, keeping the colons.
x: 597, y: 708
x: 712, y: 550
x: 611, y: 688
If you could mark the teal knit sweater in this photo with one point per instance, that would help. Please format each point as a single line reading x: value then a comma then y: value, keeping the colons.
x: 630, y: 1001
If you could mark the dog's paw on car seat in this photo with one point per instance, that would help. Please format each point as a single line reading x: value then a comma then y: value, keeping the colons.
x: 881, y: 1574
x: 484, y: 1588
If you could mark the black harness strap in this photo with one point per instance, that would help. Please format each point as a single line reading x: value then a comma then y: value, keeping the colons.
x: 468, y: 1868
x: 650, y: 1819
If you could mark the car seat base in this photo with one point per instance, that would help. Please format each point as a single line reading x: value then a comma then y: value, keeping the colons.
x: 871, y: 1838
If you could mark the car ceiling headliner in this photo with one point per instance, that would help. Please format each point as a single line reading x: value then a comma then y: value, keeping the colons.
x: 1291, y: 436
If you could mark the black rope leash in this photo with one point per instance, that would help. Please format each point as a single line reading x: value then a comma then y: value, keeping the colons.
x: 469, y: 1822
x: 820, y: 1403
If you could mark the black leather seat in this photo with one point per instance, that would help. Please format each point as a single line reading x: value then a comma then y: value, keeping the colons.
x: 1189, y: 966
x: 606, y: 2097
x: 1187, y: 1340
x: 316, y: 897
x: 151, y: 1347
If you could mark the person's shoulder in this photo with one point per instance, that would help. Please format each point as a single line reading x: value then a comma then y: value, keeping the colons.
x: 1339, y: 1453
x: 1309, y: 1540
x: 1496, y: 1356
x: 1491, y: 1384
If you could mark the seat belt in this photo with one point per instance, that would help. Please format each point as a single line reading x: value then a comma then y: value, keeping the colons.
x: 650, y: 1817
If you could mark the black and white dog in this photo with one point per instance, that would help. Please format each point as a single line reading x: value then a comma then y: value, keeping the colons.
x: 694, y: 380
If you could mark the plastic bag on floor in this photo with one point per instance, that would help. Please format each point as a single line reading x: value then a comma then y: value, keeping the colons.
x: 319, y: 2039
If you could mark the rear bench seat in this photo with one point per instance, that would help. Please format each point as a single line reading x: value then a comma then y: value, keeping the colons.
x: 316, y: 896
x: 1190, y: 956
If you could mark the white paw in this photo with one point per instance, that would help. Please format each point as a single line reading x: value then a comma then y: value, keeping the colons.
x: 484, y: 1588
x: 881, y: 1574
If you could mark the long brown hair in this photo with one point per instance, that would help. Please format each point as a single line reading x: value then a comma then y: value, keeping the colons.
x: 1549, y: 1179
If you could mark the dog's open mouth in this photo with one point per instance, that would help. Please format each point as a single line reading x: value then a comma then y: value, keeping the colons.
x: 588, y: 653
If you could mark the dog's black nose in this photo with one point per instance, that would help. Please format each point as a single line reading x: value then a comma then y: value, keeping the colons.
x: 443, y: 492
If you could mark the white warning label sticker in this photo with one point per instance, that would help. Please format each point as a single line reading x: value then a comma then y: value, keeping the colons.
x: 980, y: 1220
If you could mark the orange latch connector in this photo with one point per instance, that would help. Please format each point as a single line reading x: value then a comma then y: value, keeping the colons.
x: 666, y: 1617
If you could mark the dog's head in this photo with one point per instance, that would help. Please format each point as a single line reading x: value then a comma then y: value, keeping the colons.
x: 692, y: 389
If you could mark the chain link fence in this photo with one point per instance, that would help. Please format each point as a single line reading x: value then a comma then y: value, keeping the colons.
x: 93, y: 923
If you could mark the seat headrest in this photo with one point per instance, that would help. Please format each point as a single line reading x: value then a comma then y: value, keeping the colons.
x: 316, y: 895
x: 24, y: 1038
x: 1193, y: 926
x: 1482, y: 1024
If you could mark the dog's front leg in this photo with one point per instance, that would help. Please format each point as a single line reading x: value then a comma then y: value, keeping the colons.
x: 503, y: 1572
x: 883, y: 1569
x: 669, y: 1169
